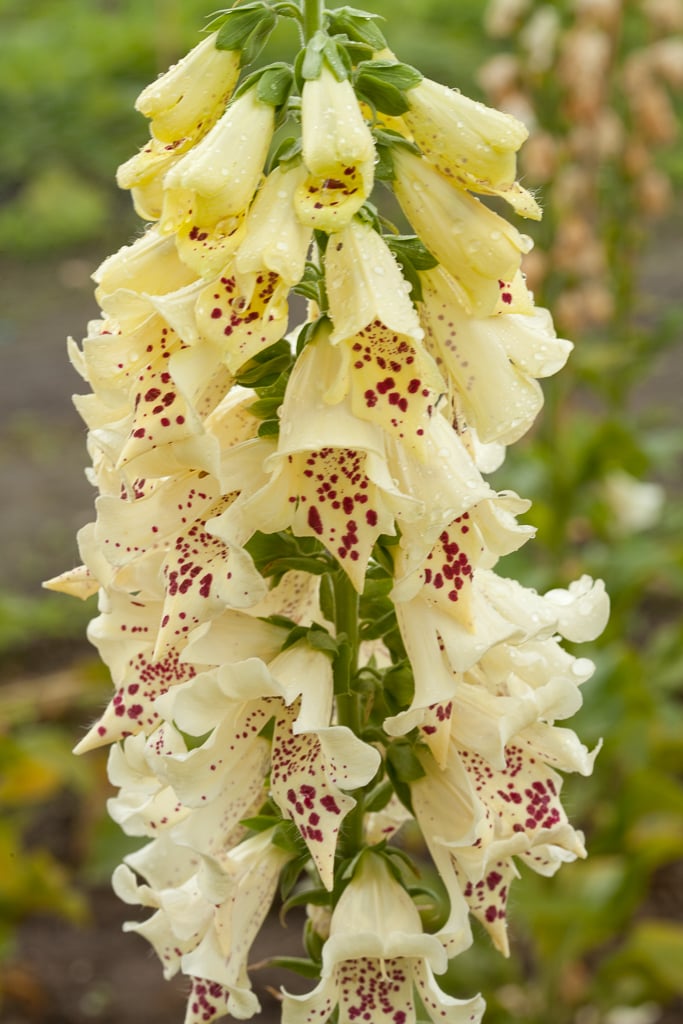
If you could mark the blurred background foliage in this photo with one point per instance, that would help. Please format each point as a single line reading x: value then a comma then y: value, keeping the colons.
x: 599, y: 81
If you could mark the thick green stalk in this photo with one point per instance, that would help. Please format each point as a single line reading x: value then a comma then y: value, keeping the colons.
x: 349, y: 711
x: 313, y: 17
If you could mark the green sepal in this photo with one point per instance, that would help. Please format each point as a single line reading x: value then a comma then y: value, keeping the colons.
x: 369, y: 214
x: 315, y: 635
x: 307, y: 334
x: 274, y: 554
x: 261, y: 822
x: 313, y: 942
x: 246, y: 29
x: 338, y: 58
x: 287, y: 154
x: 399, y: 689
x: 379, y: 798
x: 318, y: 897
x: 287, y: 837
x: 312, y: 284
x: 382, y: 83
x: 298, y: 964
x: 272, y: 83
x: 404, y: 761
x: 385, y: 140
x: 410, y: 247
x: 412, y: 255
x: 263, y: 369
x: 290, y: 873
x: 319, y: 48
x: 359, y: 26
x: 269, y: 428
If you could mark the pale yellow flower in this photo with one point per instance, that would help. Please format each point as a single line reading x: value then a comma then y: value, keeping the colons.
x: 275, y: 240
x: 339, y: 152
x: 187, y: 99
x: 208, y: 192
x: 470, y: 143
x: 477, y: 247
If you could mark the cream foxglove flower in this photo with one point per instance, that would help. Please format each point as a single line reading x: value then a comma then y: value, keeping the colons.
x: 329, y: 476
x: 364, y: 283
x: 491, y: 362
x: 338, y: 151
x: 187, y: 99
x: 241, y: 322
x: 495, y: 814
x: 391, y: 379
x: 470, y: 143
x: 274, y: 240
x: 376, y: 956
x: 208, y: 912
x: 476, y: 246
x: 312, y: 761
x: 149, y: 266
x: 208, y: 192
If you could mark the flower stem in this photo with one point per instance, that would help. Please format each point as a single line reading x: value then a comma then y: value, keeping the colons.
x: 349, y: 711
x: 313, y: 17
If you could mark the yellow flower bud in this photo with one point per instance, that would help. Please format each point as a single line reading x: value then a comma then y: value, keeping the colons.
x: 476, y: 246
x: 338, y: 151
x: 187, y: 99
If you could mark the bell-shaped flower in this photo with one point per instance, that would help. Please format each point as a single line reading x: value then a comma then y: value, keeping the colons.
x: 144, y: 172
x: 390, y: 378
x: 208, y: 912
x: 207, y: 193
x: 312, y: 761
x: 238, y: 321
x: 490, y: 362
x: 124, y: 634
x: 475, y: 818
x: 472, y: 144
x: 187, y: 99
x: 330, y: 479
x: 274, y: 240
x: 202, y: 575
x: 145, y: 805
x: 338, y: 152
x: 364, y: 283
x: 376, y: 957
x: 148, y: 266
x: 476, y: 246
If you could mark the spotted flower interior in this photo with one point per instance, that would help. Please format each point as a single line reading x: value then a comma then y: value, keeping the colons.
x: 293, y: 407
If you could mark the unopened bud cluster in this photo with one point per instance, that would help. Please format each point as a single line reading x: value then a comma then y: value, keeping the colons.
x: 295, y: 543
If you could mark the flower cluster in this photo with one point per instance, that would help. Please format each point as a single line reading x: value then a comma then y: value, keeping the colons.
x: 295, y: 542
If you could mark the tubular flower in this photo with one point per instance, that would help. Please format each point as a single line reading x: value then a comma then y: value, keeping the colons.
x: 295, y: 545
x: 485, y: 358
x: 208, y: 192
x: 469, y: 142
x: 338, y: 151
x: 376, y: 956
x: 187, y: 99
x: 476, y: 246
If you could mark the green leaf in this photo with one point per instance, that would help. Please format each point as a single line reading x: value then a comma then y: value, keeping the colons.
x: 269, y: 428
x: 289, y: 875
x: 379, y: 798
x: 247, y: 29
x: 357, y: 25
x: 412, y: 248
x: 383, y: 84
x: 404, y: 761
x: 266, y: 366
x: 338, y: 59
x: 399, y: 688
x: 287, y: 153
x: 261, y: 822
x: 312, y: 61
x: 275, y: 84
